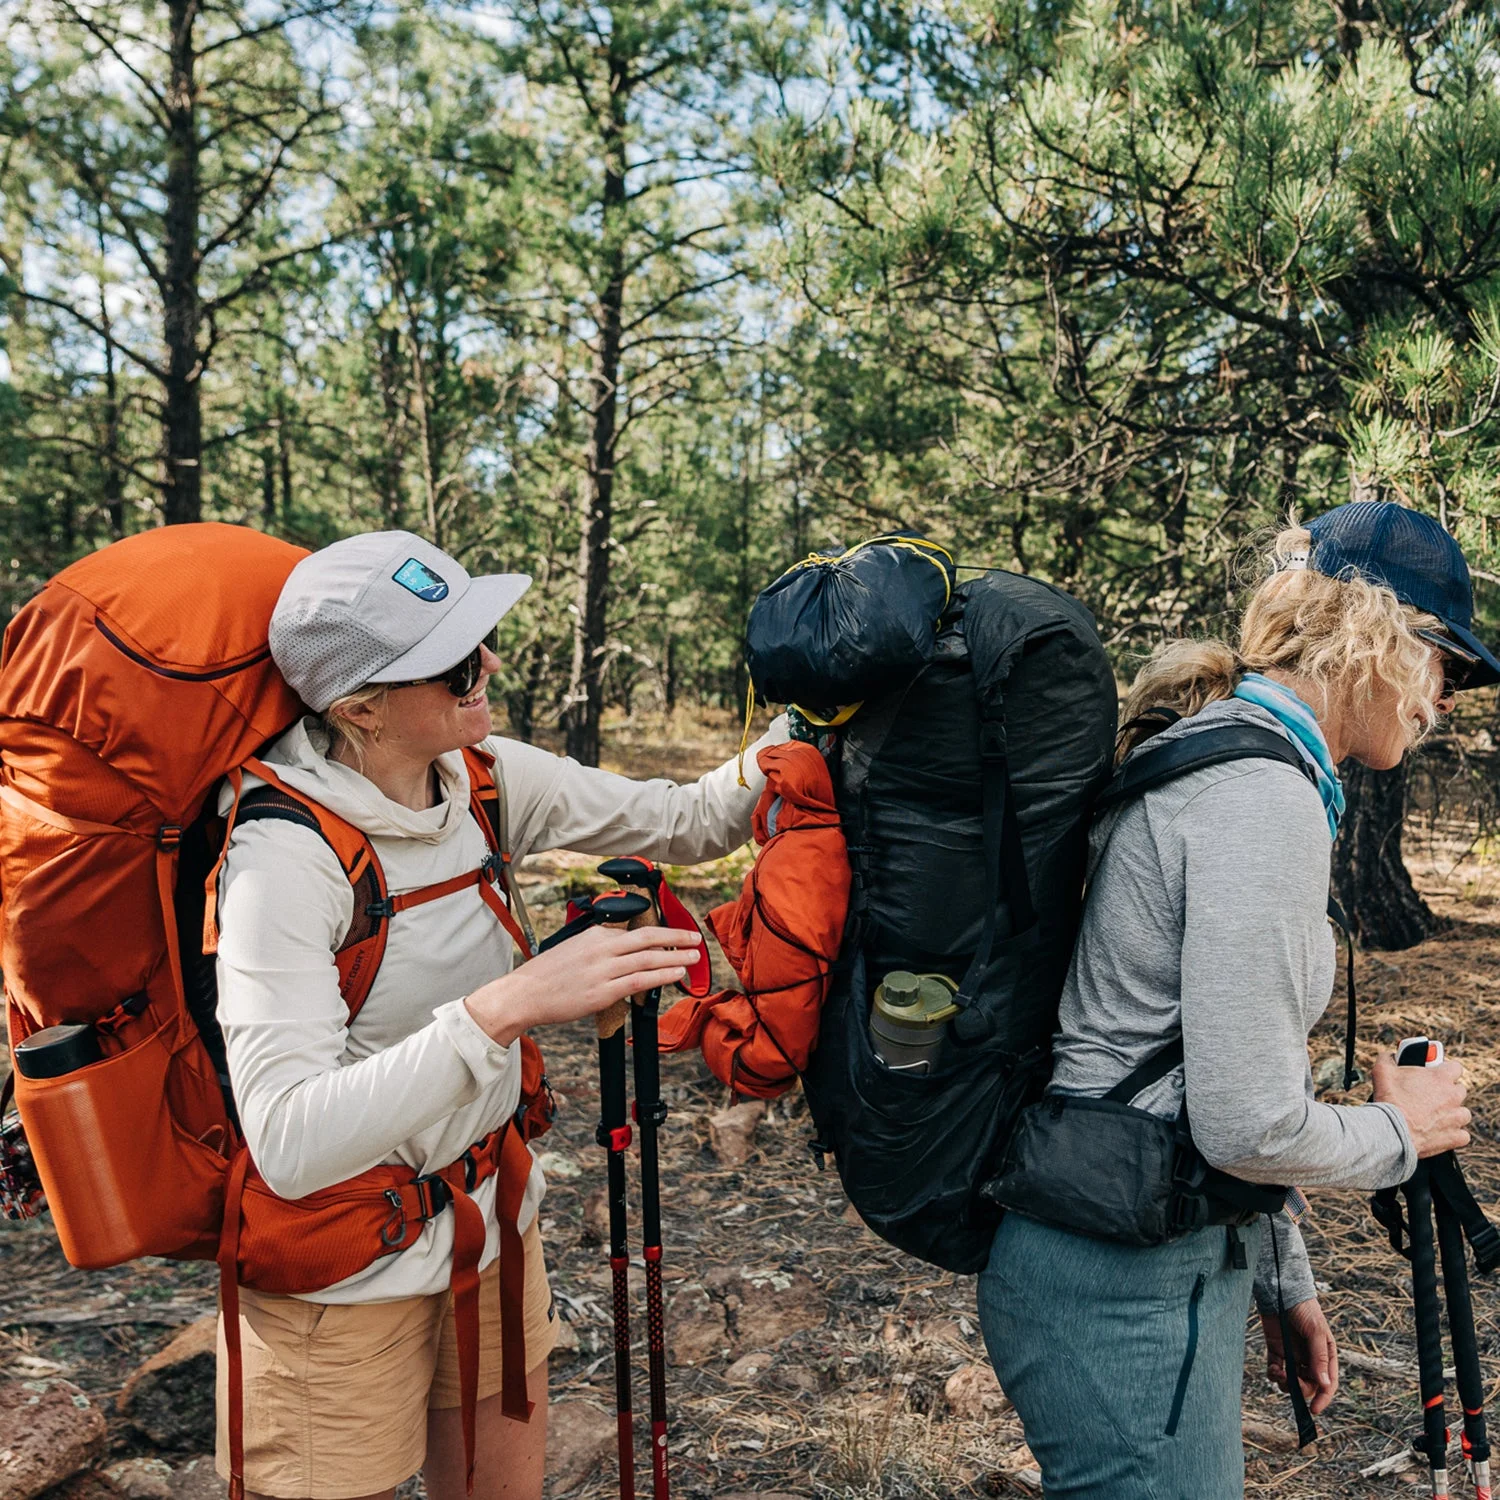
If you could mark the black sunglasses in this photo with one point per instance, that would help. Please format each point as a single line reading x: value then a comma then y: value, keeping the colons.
x: 462, y: 677
x: 1458, y: 661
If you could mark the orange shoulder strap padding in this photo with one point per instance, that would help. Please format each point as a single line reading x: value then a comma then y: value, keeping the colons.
x: 488, y: 804
x: 359, y: 957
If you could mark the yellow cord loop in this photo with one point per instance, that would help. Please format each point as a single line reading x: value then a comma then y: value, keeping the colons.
x: 745, y: 733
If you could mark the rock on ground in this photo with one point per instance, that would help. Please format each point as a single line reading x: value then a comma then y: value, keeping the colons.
x: 49, y: 1430
x: 758, y: 1495
x: 197, y: 1479
x: 973, y: 1392
x: 170, y: 1398
x: 141, y: 1478
x: 695, y: 1327
x: 731, y: 1132
x: 768, y: 1309
x: 90, y: 1485
x: 748, y: 1369
x: 580, y: 1436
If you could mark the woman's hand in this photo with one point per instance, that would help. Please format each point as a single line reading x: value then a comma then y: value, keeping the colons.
x: 1431, y: 1099
x: 1314, y: 1350
x: 588, y: 973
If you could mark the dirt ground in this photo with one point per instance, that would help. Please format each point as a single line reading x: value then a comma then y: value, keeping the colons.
x: 854, y: 1343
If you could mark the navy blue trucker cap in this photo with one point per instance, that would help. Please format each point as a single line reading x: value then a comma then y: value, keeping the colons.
x: 1416, y: 558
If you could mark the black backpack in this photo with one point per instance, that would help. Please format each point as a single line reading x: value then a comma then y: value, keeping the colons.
x: 965, y: 792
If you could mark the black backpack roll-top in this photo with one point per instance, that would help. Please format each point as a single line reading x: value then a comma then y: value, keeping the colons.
x: 965, y: 791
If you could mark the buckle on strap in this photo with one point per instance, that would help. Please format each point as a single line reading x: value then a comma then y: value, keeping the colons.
x: 1485, y: 1243
x: 433, y: 1196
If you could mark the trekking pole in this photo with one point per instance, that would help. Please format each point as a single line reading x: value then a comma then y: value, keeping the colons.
x: 1470, y: 1378
x: 1436, y: 1191
x: 650, y: 1114
x: 614, y: 1136
x: 1418, y: 1194
x: 1434, y: 1439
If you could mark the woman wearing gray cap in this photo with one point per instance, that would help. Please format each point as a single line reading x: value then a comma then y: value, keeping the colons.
x: 352, y: 1389
x: 1115, y: 1323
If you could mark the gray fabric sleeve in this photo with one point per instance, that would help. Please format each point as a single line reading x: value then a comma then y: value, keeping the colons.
x: 1296, y: 1271
x: 1255, y: 878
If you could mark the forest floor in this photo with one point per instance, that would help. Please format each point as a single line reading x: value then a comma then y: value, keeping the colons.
x: 811, y: 1359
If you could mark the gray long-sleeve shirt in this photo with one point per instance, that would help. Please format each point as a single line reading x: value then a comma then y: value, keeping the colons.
x: 1206, y: 913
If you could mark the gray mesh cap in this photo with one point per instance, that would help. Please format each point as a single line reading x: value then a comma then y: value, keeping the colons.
x: 383, y: 607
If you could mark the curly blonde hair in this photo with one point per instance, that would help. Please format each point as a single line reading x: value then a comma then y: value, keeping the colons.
x: 1346, y: 635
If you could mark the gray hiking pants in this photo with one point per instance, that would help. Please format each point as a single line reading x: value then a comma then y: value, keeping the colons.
x: 1125, y: 1365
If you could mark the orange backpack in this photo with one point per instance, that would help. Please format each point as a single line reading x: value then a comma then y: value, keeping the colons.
x: 781, y: 937
x: 130, y: 687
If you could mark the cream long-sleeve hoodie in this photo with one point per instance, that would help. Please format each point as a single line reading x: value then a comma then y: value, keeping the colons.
x: 413, y: 1080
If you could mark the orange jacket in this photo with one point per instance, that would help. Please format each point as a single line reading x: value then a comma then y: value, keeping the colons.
x: 781, y: 936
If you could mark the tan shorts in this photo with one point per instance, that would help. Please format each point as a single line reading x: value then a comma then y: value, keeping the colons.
x: 336, y: 1395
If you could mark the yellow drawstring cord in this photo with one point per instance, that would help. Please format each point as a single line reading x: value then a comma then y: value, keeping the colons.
x: 745, y: 734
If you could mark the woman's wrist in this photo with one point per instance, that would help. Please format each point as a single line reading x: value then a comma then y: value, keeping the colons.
x: 500, y: 1008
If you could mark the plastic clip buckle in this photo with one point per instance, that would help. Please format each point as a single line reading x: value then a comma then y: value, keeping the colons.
x: 1486, y: 1248
x: 382, y: 911
x: 169, y: 837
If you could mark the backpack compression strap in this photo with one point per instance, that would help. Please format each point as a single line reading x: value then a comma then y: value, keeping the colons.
x: 1004, y: 856
x: 1160, y: 764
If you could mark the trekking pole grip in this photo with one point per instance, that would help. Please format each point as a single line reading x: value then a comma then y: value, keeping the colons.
x: 608, y: 1022
x: 624, y: 910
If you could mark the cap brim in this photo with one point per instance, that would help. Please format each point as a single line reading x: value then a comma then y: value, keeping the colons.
x: 1486, y: 668
x: 484, y: 603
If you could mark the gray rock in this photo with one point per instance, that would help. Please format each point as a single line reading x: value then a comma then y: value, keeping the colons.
x: 197, y: 1479
x: 141, y: 1478
x: 580, y: 1436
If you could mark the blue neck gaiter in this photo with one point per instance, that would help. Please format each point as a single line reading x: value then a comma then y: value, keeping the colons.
x: 1301, y: 723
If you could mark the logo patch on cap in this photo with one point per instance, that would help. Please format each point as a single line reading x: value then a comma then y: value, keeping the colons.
x: 417, y: 578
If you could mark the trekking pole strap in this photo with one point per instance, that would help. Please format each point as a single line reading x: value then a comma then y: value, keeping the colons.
x: 1446, y: 1178
x: 1307, y: 1429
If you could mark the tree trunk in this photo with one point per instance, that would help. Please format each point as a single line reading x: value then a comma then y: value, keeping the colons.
x: 267, y: 487
x: 113, y: 479
x: 284, y: 455
x: 1370, y: 878
x: 182, y: 314
x: 393, y: 407
x: 590, y: 625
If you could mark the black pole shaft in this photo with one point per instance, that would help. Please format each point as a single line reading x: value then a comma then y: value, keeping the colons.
x: 614, y: 1136
x: 1470, y: 1378
x: 650, y: 1112
x: 1429, y: 1328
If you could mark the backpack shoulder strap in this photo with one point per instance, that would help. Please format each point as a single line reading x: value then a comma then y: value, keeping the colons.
x: 488, y: 803
x: 1160, y: 764
x: 359, y: 955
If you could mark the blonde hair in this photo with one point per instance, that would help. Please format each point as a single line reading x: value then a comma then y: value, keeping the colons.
x: 1346, y: 635
x: 336, y: 719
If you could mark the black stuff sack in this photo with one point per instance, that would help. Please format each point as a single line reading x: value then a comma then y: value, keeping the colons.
x: 841, y: 627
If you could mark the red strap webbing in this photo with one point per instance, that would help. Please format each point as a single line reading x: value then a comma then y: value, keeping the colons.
x: 229, y: 1304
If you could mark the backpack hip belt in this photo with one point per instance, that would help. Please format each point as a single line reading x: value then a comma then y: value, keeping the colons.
x: 381, y: 1212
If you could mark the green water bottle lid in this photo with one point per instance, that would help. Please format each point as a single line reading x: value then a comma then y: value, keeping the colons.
x: 901, y: 990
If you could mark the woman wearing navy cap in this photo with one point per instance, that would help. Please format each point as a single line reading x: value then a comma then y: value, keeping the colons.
x: 1203, y: 961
